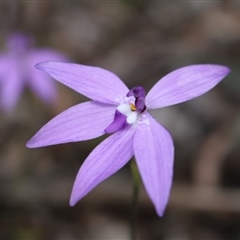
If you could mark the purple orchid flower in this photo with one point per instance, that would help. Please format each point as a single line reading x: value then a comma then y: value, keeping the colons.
x: 17, y: 70
x: 123, y: 112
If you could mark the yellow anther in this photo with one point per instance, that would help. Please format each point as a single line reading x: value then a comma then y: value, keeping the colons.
x: 133, y: 108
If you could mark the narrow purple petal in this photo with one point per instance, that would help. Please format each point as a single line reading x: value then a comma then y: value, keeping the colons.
x: 184, y: 84
x: 93, y: 82
x: 81, y: 122
x: 154, y: 150
x: 41, y: 83
x: 107, y: 158
x: 11, y: 82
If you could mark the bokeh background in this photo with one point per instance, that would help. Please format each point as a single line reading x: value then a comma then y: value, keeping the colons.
x: 140, y: 41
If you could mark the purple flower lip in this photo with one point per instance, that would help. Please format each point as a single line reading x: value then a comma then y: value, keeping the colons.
x: 143, y: 136
x: 118, y: 123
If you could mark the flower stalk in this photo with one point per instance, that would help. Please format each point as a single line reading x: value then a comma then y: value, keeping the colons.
x: 134, y: 206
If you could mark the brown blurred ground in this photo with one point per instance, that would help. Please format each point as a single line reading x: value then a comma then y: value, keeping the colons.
x: 140, y: 42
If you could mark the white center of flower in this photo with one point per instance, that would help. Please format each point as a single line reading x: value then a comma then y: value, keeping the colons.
x: 126, y: 110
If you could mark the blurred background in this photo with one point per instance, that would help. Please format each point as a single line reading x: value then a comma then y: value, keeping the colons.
x: 140, y: 41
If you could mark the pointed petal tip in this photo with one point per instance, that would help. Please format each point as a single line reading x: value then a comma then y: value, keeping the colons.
x: 160, y: 207
x: 224, y: 69
x: 160, y: 210
x: 72, y: 202
x: 31, y: 144
x: 219, y: 70
x: 34, y: 143
x: 38, y: 65
x: 160, y: 213
x: 228, y: 69
x: 74, y: 198
x: 46, y: 64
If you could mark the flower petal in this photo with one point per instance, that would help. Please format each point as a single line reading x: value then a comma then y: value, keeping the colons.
x: 81, y: 122
x: 107, y: 158
x: 41, y: 83
x: 93, y: 82
x: 184, y: 84
x: 11, y: 82
x: 154, y: 150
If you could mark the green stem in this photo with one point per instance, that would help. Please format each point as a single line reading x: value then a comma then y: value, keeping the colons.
x: 134, y: 205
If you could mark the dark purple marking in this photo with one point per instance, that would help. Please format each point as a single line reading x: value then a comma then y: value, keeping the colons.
x: 118, y: 123
x: 139, y: 94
